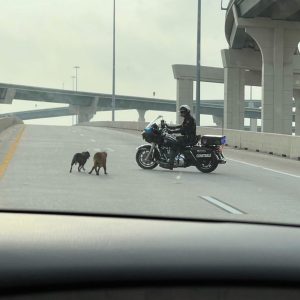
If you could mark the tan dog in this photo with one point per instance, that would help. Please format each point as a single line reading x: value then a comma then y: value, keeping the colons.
x: 99, y: 162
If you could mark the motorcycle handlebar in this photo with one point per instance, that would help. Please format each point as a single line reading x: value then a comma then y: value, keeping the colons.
x: 164, y: 131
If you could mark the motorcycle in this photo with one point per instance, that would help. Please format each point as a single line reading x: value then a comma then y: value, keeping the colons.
x: 205, y: 153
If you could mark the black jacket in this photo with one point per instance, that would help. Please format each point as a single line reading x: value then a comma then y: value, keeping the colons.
x: 187, y: 128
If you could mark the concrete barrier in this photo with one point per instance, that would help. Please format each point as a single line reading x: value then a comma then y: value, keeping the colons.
x: 295, y: 148
x: 137, y: 126
x: 9, y: 121
x: 277, y: 144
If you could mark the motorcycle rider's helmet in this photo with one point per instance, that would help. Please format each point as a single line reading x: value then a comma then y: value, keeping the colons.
x: 184, y: 110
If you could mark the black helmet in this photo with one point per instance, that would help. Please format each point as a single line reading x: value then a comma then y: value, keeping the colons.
x: 184, y: 110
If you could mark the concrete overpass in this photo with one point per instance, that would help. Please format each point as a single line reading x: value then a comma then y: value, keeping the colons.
x: 86, y: 104
x: 208, y: 107
x: 263, y: 36
x: 80, y: 101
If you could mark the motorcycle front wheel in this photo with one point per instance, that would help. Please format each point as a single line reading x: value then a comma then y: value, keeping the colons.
x: 141, y: 156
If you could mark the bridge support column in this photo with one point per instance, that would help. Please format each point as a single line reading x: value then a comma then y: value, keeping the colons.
x: 85, y: 113
x: 253, y: 125
x: 218, y: 121
x: 253, y: 122
x: 141, y: 113
x: 184, y: 95
x: 297, y: 112
x: 7, y: 95
x: 277, y: 45
x: 234, y: 92
x: 234, y: 98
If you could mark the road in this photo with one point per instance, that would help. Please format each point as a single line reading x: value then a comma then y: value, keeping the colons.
x: 260, y: 187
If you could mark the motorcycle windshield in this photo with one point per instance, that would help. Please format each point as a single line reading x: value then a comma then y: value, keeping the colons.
x: 157, y: 120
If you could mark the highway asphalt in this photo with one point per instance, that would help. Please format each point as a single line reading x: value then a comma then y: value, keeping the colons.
x: 250, y: 187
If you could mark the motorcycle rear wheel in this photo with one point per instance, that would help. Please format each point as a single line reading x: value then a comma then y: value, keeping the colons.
x: 208, y: 166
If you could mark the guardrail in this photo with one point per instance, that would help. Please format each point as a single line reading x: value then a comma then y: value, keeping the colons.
x: 277, y: 144
x: 9, y: 121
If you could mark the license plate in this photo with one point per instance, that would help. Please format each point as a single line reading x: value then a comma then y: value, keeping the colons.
x: 203, y: 155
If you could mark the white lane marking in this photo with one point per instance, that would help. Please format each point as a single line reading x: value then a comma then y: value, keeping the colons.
x: 93, y: 141
x: 81, y: 134
x: 267, y: 169
x: 222, y: 205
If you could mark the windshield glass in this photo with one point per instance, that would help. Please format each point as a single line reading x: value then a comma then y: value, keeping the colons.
x: 157, y: 121
x: 81, y: 80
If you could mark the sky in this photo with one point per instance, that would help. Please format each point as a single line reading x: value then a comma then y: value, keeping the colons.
x: 42, y: 40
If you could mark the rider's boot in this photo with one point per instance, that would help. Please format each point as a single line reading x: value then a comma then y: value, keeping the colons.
x: 172, y: 159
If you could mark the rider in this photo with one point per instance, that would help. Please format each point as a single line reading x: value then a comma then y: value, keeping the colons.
x: 187, y: 130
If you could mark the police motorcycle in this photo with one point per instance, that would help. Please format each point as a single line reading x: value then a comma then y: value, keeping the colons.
x: 205, y: 153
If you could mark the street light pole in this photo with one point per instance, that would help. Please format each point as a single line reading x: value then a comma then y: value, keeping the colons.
x: 73, y: 88
x: 198, y: 64
x: 76, y: 87
x: 76, y: 76
x: 113, y: 100
x: 73, y: 82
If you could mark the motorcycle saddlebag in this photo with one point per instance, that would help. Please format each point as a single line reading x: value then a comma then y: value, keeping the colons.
x: 213, y: 140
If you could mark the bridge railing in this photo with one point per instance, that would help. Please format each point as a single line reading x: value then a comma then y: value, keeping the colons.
x: 277, y: 144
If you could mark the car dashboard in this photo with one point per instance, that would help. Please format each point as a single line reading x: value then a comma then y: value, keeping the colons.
x: 117, y: 257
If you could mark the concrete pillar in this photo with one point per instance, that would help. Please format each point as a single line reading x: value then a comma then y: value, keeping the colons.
x: 7, y: 95
x: 184, y: 95
x: 277, y: 46
x: 253, y: 122
x: 85, y: 113
x: 141, y: 113
x: 234, y: 98
x: 297, y: 112
x: 218, y: 121
x: 253, y: 125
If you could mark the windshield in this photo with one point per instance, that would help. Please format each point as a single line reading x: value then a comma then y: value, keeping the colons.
x: 81, y: 80
x: 157, y: 121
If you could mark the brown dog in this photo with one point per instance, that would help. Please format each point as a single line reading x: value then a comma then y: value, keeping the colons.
x: 99, y: 162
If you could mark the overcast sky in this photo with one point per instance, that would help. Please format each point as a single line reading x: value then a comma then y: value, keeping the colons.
x: 41, y: 41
